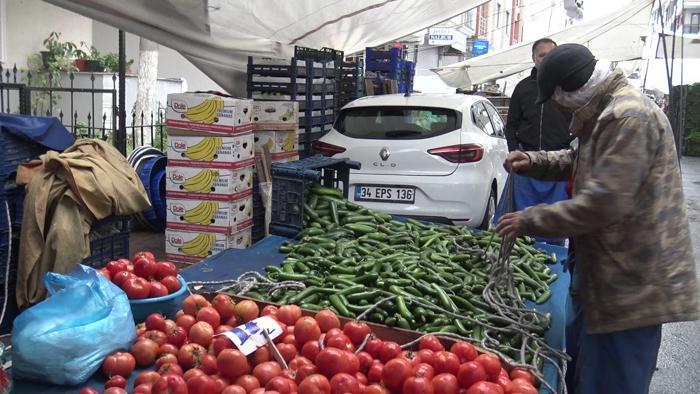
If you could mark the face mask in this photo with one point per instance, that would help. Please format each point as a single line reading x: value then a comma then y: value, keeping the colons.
x: 579, y: 97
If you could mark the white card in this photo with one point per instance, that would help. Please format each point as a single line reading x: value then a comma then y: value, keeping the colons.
x: 249, y: 337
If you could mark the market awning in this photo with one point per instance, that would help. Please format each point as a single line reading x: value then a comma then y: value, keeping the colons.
x: 217, y: 36
x: 616, y: 37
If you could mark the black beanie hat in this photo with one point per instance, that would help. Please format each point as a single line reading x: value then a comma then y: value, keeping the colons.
x: 568, y: 65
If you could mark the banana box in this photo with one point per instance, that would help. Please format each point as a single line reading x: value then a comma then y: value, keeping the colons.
x: 275, y: 115
x: 276, y: 141
x: 211, y: 184
x: 209, y: 113
x: 211, y: 152
x: 194, y: 246
x: 225, y: 217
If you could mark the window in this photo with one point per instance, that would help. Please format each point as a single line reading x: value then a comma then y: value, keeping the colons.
x: 3, y: 33
x: 694, y: 26
x: 481, y: 118
x: 404, y: 123
x: 471, y: 19
x: 495, y: 120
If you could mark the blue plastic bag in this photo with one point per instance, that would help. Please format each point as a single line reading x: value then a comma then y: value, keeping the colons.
x: 64, y: 339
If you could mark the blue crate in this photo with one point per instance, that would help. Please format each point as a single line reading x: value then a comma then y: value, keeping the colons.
x: 290, y: 182
x: 8, y: 277
x: 16, y: 151
x: 14, y: 195
x: 378, y: 54
x: 109, y: 240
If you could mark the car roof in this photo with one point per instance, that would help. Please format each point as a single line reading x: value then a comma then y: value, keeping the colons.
x: 455, y: 101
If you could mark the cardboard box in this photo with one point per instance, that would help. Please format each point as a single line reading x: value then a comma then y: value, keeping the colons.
x: 211, y: 184
x: 209, y: 112
x: 193, y: 246
x: 285, y: 157
x: 276, y: 141
x: 225, y: 217
x: 211, y: 152
x: 275, y: 115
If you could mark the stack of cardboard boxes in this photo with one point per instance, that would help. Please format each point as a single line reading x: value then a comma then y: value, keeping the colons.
x: 209, y: 175
x: 275, y: 125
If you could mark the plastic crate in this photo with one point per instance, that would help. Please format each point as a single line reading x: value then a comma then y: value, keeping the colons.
x: 109, y: 240
x: 16, y: 151
x: 290, y: 182
x: 14, y: 195
x: 380, y: 54
x: 8, y: 277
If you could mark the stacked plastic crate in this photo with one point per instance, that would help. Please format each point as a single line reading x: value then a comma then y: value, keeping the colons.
x: 388, y: 65
x: 309, y: 79
x: 209, y: 177
x: 349, y: 88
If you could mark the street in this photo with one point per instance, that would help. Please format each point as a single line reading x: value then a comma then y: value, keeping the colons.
x: 680, y: 344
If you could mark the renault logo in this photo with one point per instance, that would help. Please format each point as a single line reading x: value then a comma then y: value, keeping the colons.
x: 384, y: 154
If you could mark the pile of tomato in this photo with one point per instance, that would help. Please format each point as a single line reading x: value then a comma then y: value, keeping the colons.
x: 321, y: 356
x: 143, y: 277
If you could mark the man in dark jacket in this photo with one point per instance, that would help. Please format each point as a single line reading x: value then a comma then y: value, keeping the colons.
x: 531, y: 126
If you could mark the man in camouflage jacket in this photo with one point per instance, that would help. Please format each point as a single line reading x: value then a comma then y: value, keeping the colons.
x: 627, y: 218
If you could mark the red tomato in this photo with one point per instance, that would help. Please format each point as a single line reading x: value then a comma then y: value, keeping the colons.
x: 266, y: 371
x: 137, y: 288
x: 88, y: 390
x: 234, y: 389
x: 219, y: 343
x: 248, y: 382
x: 144, y: 267
x: 340, y: 341
x: 115, y: 267
x: 375, y: 389
x: 521, y: 386
x: 470, y: 373
x: 303, y: 371
x: 411, y: 356
x: 172, y: 283
x: 445, y: 383
x: 247, y: 310
x: 465, y: 351
x: 503, y: 379
x: 155, y: 321
x: 306, y: 329
x: 331, y: 361
x: 282, y: 385
x: 143, y: 389
x: 388, y: 351
x: 186, y: 322
x: 177, y: 336
x: 232, y: 363
x: 356, y: 331
x: 365, y: 360
x: 287, y: 350
x: 165, y: 268
x: 194, y: 303
x: 395, y: 372
x: 156, y: 336
x: 202, y: 384
x: 333, y: 332
x: 120, y: 277
x: 115, y: 390
x: 361, y: 378
x: 190, y: 355
x: 225, y: 305
x: 170, y: 369
x: 119, y: 363
x: 491, y: 364
x: 209, y: 364
x: 116, y: 381
x: 222, y: 329
x: 145, y: 352
x: 290, y: 339
x: 374, y: 375
x: 424, y: 370
x: 522, y: 374
x: 201, y: 333
x: 167, y: 358
x: 416, y: 385
x: 105, y: 272
x: 288, y: 314
x: 353, y: 363
x: 427, y: 356
x: 191, y: 373
x: 310, y: 350
x: 327, y: 319
x: 157, y: 290
x: 146, y: 254
x: 168, y: 348
x: 210, y: 315
x: 148, y: 377
x: 446, y: 362
x: 284, y: 333
x: 343, y: 383
x: 262, y: 355
x: 315, y: 384
x: 485, y: 388
x: 170, y: 384
x: 431, y: 342
x: 373, y: 346
x: 269, y: 310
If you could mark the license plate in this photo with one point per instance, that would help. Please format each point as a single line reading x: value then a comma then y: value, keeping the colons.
x: 381, y: 193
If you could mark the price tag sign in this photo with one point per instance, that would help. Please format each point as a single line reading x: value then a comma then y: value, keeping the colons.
x: 249, y: 337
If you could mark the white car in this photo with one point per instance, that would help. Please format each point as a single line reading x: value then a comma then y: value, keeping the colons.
x: 436, y: 157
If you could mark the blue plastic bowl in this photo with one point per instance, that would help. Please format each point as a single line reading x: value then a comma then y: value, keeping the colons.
x: 167, y: 305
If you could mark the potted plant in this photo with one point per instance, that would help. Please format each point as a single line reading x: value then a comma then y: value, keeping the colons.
x: 111, y: 62
x: 91, y: 62
x: 57, y: 50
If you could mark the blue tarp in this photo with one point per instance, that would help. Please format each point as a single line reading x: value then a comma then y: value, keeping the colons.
x: 43, y: 130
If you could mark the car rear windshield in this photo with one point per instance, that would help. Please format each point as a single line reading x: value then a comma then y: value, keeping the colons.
x: 404, y: 123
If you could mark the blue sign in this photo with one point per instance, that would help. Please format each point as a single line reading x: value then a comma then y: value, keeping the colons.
x: 480, y: 47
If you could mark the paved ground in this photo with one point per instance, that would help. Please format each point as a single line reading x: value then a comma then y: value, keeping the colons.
x: 680, y: 345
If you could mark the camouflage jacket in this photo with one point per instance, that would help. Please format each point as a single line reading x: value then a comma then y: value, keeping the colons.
x: 627, y: 215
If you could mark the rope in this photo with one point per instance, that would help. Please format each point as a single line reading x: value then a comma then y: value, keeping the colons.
x: 246, y: 282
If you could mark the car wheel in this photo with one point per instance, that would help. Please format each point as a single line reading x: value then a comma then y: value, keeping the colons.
x: 490, y: 212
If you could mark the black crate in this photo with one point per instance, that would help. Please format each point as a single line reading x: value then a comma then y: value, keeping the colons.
x: 109, y: 240
x: 290, y: 182
x: 16, y: 151
x: 8, y: 277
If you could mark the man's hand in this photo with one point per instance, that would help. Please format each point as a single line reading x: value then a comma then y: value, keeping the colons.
x: 510, y: 224
x: 517, y: 161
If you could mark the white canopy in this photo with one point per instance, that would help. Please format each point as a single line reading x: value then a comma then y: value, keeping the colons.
x: 217, y: 36
x: 616, y: 37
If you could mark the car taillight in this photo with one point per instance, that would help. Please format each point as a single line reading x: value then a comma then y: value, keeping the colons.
x: 467, y: 153
x: 326, y: 149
